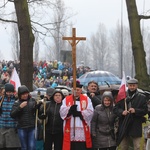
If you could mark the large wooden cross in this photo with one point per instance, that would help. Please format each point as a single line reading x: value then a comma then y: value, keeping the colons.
x: 73, y: 42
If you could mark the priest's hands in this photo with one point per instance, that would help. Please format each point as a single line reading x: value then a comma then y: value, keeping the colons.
x: 78, y: 114
x: 73, y: 111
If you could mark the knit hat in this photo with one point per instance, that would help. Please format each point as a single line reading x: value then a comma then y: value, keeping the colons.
x: 22, y: 89
x: 50, y: 91
x: 9, y: 87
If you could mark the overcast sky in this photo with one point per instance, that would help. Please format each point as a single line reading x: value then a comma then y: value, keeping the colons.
x: 92, y: 12
x: 89, y: 14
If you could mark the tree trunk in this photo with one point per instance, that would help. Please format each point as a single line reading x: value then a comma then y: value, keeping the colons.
x: 137, y: 45
x: 26, y: 42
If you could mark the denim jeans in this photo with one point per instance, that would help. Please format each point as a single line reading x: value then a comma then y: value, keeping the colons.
x: 27, y: 138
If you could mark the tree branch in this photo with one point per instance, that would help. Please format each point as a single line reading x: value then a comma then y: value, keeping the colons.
x: 4, y: 4
x: 5, y: 20
x: 144, y: 17
x: 11, y: 0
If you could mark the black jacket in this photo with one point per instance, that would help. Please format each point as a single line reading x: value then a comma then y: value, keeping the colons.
x: 25, y: 116
x: 96, y: 100
x: 139, y: 103
x: 54, y: 124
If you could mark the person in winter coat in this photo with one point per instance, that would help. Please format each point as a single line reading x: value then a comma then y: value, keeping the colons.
x: 54, y: 125
x: 93, y: 93
x: 102, y: 124
x: 23, y: 111
x: 9, y: 139
x: 136, y: 106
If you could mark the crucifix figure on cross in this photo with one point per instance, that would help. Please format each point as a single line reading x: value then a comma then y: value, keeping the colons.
x: 73, y: 42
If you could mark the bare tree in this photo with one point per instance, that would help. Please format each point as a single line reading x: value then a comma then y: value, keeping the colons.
x: 137, y: 44
x: 36, y: 48
x: 26, y: 42
x: 82, y: 49
x: 99, y: 46
x: 50, y: 53
x: 146, y: 37
x: 15, y: 42
x: 26, y: 29
x: 128, y: 62
x: 59, y: 17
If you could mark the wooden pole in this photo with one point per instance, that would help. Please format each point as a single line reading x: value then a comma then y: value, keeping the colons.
x: 74, y: 63
x: 74, y: 41
x: 44, y: 121
x: 36, y: 115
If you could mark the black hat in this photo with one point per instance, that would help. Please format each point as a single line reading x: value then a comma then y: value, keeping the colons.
x: 22, y: 89
x: 50, y: 91
x: 132, y: 81
x: 78, y: 85
x: 9, y: 87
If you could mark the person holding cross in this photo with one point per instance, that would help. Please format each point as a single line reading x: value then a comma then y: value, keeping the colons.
x: 76, y: 109
x: 77, y: 112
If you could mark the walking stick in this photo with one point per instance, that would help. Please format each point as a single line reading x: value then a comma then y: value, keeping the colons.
x: 74, y: 99
x: 36, y: 116
x: 44, y: 121
x: 125, y: 104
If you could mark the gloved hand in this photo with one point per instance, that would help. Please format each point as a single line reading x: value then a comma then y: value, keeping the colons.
x: 41, y: 96
x: 78, y: 114
x: 72, y: 109
x: 38, y: 104
x: 42, y: 116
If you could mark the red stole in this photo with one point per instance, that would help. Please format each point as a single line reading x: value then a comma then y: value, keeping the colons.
x: 66, y: 140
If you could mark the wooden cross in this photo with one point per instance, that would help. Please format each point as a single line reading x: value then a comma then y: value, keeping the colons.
x: 73, y: 42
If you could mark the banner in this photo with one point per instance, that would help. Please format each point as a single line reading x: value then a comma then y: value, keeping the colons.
x: 122, y: 90
x: 15, y: 80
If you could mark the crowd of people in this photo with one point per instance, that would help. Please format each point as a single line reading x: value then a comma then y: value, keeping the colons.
x: 45, y: 73
x: 73, y: 121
